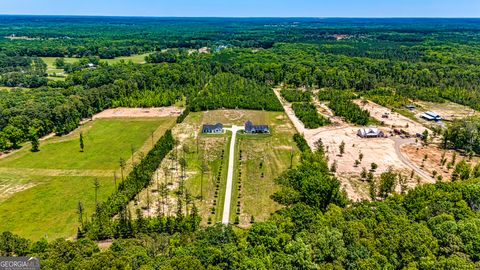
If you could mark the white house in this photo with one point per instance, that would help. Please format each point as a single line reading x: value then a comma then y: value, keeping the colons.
x: 370, y: 132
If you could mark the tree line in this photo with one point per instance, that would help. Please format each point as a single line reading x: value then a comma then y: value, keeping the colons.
x: 102, y: 226
x: 345, y: 107
x: 27, y: 114
x: 307, y: 113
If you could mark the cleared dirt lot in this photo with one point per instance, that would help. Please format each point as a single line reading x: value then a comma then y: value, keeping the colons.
x: 139, y: 112
x: 394, y: 120
x: 416, y: 153
x: 380, y: 151
x: 385, y: 152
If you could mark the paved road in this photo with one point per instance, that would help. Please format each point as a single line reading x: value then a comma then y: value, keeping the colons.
x: 231, y: 162
x: 398, y: 145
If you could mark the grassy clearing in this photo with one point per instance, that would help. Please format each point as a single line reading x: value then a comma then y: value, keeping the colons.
x: 136, y: 59
x: 57, y: 74
x: 49, y: 208
x: 272, y: 150
x: 102, y: 138
x: 42, y: 189
x: 263, y: 158
x: 50, y: 61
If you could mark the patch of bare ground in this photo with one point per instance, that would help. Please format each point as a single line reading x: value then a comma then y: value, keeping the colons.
x: 139, y: 112
x: 105, y: 244
x: 430, y: 159
x: 381, y: 151
x: 233, y: 117
x: 390, y: 119
x: 7, y: 189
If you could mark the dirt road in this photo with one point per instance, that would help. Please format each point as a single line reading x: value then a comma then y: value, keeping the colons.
x: 231, y: 162
x: 398, y: 146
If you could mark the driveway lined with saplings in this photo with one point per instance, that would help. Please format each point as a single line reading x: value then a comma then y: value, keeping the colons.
x: 231, y: 162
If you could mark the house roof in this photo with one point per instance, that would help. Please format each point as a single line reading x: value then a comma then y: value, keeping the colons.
x: 432, y: 114
x: 427, y: 116
x: 212, y: 127
x: 370, y: 131
x: 249, y: 126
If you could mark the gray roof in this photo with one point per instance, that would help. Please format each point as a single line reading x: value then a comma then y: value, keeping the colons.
x: 432, y: 114
x: 209, y: 127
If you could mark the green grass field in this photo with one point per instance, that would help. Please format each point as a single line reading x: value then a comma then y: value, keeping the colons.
x: 136, y: 59
x: 264, y: 158
x: 41, y: 190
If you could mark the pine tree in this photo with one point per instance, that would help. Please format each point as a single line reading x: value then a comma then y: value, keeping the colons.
x: 82, y: 145
x: 35, y: 144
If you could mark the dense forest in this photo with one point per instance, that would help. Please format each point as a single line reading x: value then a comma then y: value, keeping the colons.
x: 292, y: 95
x: 463, y: 135
x: 307, y: 113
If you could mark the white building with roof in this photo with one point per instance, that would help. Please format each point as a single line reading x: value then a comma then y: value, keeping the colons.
x: 431, y: 116
x: 370, y: 132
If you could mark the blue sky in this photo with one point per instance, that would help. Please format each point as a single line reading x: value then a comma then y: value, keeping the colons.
x: 247, y: 8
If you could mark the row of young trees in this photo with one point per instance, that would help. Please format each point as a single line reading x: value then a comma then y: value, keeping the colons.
x: 101, y: 225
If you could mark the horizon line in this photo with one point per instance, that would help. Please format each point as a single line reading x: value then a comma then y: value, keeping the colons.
x: 237, y: 17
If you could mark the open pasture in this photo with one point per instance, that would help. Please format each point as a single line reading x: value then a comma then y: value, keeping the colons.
x: 41, y: 191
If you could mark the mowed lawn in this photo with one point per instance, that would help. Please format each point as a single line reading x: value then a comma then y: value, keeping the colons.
x: 43, y: 188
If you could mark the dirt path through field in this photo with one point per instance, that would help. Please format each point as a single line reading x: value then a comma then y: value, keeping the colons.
x: 55, y: 172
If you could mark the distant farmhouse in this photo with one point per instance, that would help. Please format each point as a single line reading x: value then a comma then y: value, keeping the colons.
x: 251, y: 128
x: 212, y: 129
x: 370, y: 132
x: 431, y: 116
